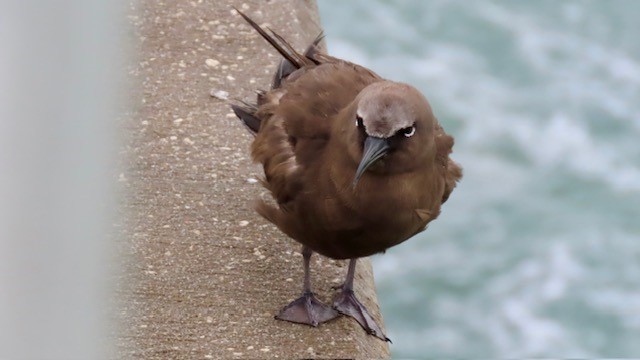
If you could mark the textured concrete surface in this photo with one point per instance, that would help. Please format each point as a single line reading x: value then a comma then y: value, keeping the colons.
x: 205, y: 275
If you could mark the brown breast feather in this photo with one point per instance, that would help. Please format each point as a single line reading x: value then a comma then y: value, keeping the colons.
x: 296, y: 126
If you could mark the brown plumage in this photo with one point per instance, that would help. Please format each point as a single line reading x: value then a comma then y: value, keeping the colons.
x: 356, y: 164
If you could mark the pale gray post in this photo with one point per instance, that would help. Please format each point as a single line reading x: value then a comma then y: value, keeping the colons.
x: 57, y: 96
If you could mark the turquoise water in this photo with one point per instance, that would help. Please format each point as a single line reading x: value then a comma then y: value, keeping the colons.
x: 537, y: 253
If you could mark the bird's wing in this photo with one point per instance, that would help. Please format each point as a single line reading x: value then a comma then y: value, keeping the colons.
x: 312, y: 103
x: 451, y: 171
x: 297, y: 120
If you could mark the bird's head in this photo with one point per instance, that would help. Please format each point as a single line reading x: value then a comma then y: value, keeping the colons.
x: 392, y: 130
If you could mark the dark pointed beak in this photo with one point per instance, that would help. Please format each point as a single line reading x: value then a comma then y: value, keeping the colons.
x: 374, y: 149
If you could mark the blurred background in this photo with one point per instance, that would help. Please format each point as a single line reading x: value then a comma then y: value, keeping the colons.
x: 537, y: 252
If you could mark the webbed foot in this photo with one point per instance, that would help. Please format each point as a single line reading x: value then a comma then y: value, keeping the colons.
x: 346, y: 303
x: 307, y: 309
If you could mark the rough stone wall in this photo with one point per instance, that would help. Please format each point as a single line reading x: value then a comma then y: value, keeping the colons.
x: 205, y: 275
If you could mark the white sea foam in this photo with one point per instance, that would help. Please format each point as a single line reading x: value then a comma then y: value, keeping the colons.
x: 484, y: 103
x: 595, y: 72
x: 558, y: 140
x: 624, y: 303
x: 564, y: 142
x: 507, y: 310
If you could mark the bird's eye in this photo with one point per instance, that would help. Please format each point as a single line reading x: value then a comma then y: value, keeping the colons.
x: 359, y: 122
x: 408, y: 131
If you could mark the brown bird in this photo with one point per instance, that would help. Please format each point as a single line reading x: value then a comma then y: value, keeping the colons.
x: 356, y: 164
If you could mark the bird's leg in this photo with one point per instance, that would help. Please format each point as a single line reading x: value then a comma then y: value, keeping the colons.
x: 307, y: 309
x: 347, y: 303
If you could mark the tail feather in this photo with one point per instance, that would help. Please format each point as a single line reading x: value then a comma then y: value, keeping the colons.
x: 314, y: 48
x: 292, y: 61
x: 285, y: 68
x: 301, y: 60
x: 277, y: 42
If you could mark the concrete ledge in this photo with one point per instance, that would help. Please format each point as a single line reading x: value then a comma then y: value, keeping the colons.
x: 205, y: 274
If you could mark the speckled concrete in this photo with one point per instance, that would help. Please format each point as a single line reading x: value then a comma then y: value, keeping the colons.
x: 205, y: 274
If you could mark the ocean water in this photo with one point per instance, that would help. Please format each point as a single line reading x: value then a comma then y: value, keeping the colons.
x: 537, y: 252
